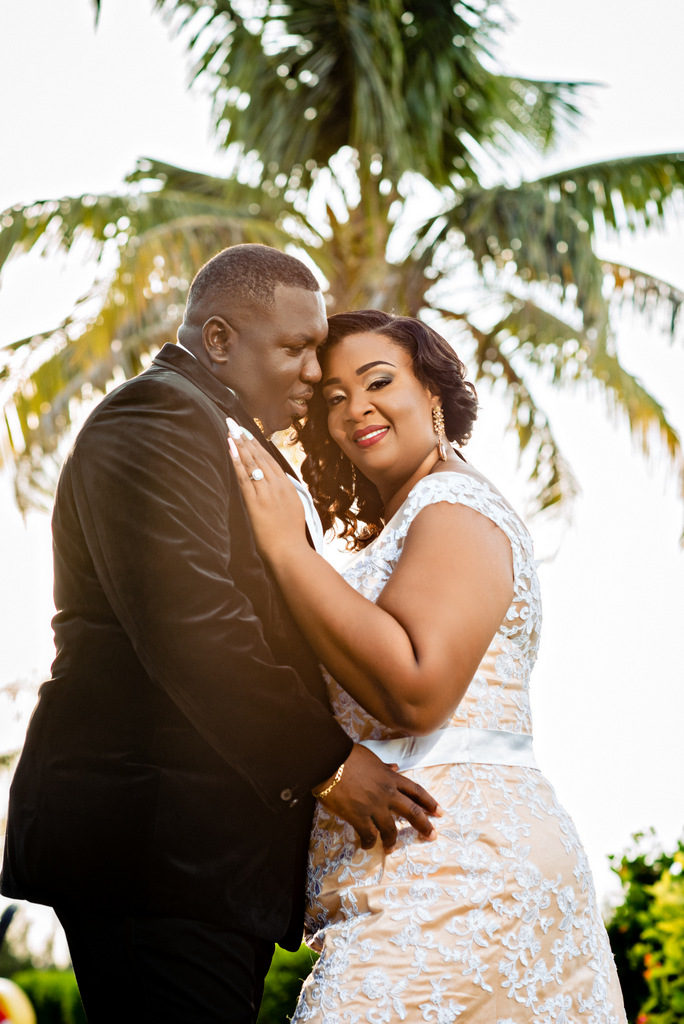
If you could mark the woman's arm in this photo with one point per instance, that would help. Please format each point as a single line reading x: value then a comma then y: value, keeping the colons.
x: 409, y: 658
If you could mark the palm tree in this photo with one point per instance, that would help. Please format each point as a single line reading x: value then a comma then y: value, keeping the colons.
x: 379, y: 138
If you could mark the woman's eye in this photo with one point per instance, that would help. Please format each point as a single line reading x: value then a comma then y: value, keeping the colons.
x: 381, y: 382
x: 333, y: 400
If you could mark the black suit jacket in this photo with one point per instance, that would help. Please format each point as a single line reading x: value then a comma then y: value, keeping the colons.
x: 168, y: 763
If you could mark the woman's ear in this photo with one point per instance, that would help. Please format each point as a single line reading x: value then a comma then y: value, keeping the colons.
x: 217, y: 337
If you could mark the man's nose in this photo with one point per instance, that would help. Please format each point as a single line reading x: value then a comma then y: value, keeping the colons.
x: 311, y: 368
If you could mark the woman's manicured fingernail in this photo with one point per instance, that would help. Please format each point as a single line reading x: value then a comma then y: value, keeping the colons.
x: 237, y: 430
x: 234, y: 428
x: 232, y: 447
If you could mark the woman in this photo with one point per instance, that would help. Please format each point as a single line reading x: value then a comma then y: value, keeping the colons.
x: 429, y: 639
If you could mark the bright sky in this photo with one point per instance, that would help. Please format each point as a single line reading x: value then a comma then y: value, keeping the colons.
x: 81, y: 106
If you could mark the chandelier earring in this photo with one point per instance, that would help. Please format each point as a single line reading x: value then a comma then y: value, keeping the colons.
x: 440, y: 434
x: 353, y: 480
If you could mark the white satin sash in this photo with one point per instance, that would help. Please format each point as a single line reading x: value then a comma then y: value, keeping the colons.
x: 456, y: 745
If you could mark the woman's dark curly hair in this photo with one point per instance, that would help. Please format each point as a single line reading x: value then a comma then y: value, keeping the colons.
x: 327, y: 471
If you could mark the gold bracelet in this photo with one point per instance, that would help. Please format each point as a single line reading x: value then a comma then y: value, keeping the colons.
x: 328, y: 789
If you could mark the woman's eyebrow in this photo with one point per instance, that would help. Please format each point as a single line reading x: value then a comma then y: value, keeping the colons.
x: 368, y: 366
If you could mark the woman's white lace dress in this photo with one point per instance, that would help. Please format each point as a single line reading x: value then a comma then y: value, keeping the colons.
x: 496, y: 921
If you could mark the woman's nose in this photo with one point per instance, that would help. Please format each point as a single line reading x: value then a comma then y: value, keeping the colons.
x: 358, y: 405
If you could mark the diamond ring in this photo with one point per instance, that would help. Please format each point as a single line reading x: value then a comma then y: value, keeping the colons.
x: 256, y: 474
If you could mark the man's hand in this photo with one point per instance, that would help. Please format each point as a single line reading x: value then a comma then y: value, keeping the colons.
x: 371, y: 794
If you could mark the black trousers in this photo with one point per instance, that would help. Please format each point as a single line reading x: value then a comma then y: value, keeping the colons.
x: 171, y: 970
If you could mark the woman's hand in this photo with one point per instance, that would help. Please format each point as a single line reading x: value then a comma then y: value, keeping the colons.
x: 274, y: 507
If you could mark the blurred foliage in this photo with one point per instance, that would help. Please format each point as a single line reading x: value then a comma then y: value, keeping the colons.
x: 19, y: 950
x: 283, y: 982
x: 647, y: 932
x: 14, y: 955
x: 54, y: 995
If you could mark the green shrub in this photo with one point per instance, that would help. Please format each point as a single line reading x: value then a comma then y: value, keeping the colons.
x: 647, y: 934
x: 283, y: 982
x: 54, y: 995
x: 662, y: 948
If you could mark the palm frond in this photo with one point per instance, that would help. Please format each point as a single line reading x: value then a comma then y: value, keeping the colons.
x: 163, y: 236
x: 628, y: 193
x: 207, y: 206
x: 542, y: 110
x: 162, y: 193
x: 643, y: 291
x: 544, y: 230
x: 537, y: 337
x: 646, y: 416
x: 58, y: 223
x: 553, y: 479
x: 540, y: 338
x: 144, y: 299
x: 528, y: 335
x: 538, y: 237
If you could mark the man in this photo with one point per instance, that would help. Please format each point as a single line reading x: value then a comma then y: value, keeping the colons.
x: 162, y: 802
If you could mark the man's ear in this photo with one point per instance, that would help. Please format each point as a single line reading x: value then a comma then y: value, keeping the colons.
x: 218, y: 338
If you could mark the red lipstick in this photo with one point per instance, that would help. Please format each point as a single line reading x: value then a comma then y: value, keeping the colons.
x: 368, y: 436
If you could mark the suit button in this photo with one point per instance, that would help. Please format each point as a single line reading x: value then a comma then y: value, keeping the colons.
x: 286, y: 795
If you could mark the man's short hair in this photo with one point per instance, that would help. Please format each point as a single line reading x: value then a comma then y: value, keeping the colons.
x: 249, y: 274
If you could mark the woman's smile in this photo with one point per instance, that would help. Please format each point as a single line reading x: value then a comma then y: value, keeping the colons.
x: 368, y: 436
